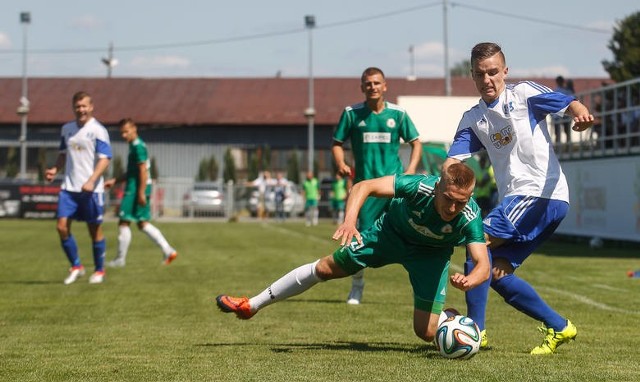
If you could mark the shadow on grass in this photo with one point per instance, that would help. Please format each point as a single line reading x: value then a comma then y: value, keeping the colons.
x: 31, y: 282
x: 427, y: 350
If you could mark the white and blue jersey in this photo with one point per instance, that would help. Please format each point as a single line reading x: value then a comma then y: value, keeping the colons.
x: 83, y: 147
x: 513, y: 130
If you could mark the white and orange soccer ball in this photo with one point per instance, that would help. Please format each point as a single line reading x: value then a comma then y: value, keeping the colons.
x: 457, y: 336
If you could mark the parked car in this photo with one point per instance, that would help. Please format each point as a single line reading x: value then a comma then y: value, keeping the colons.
x: 293, y: 202
x: 204, y: 199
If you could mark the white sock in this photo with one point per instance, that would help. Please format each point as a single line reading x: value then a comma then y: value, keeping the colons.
x: 124, y: 239
x: 156, y: 236
x: 357, y: 279
x: 291, y: 284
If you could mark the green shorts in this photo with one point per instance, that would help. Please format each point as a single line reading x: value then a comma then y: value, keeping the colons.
x: 428, y: 267
x: 371, y: 210
x: 337, y: 205
x: 311, y: 203
x: 131, y: 211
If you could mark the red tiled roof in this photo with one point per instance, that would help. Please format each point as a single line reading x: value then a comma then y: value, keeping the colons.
x: 214, y: 101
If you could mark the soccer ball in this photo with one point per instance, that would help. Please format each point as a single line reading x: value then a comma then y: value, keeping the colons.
x: 458, y: 337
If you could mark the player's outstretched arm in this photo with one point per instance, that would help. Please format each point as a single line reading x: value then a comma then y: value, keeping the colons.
x: 480, y: 272
x: 379, y: 187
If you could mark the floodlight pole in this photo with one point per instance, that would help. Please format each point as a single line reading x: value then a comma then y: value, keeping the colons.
x: 310, y: 112
x: 447, y: 74
x: 23, y: 109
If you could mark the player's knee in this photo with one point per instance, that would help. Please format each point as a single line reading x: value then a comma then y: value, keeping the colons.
x: 425, y: 334
x: 327, y: 269
x: 63, y: 230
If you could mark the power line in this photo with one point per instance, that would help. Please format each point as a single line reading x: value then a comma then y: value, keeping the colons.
x: 532, y: 19
x: 228, y: 40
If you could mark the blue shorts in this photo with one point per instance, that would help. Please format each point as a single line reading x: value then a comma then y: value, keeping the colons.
x: 525, y: 222
x: 82, y: 206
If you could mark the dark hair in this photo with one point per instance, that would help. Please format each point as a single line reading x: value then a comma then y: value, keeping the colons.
x: 124, y: 121
x: 79, y: 96
x: 485, y: 50
x: 460, y: 175
x: 371, y: 71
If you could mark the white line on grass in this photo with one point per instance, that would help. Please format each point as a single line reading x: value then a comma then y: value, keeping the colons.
x: 588, y: 301
x: 296, y: 233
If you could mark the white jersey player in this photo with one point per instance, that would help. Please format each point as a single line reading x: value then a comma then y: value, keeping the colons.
x: 85, y: 152
x: 509, y: 123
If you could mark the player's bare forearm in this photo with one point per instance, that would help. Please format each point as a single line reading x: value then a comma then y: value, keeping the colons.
x: 416, y: 155
x: 338, y: 157
x: 50, y: 173
x: 99, y: 169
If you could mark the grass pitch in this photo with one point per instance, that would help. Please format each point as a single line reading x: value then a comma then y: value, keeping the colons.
x: 149, y: 322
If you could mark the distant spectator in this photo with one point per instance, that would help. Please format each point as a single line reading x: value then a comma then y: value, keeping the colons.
x: 563, y: 123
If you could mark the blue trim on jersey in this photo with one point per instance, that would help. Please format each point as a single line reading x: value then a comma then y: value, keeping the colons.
x: 103, y: 148
x: 546, y: 103
x: 465, y: 142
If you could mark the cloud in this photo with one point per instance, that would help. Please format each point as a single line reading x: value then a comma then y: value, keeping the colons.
x: 5, y: 41
x: 88, y: 22
x: 159, y: 62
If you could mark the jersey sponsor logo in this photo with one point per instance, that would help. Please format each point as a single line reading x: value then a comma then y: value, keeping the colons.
x: 376, y: 137
x: 391, y: 123
x: 447, y: 229
x: 424, y: 230
x: 502, y: 138
x: 362, y: 124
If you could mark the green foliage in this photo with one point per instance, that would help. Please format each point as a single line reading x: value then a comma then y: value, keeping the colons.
x: 293, y: 167
x: 229, y: 172
x: 12, y: 168
x: 461, y: 69
x: 150, y: 322
x: 625, y: 46
x: 117, y: 167
x: 153, y: 170
x: 208, y: 169
x: 42, y: 163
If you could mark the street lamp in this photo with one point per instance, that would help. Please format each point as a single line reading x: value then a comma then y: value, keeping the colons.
x: 310, y: 112
x: 23, y: 109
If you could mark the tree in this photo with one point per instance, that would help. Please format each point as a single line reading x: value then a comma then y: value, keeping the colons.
x: 229, y: 172
x: 153, y: 170
x: 208, y: 169
x: 293, y: 167
x: 625, y: 46
x: 117, y: 167
x: 461, y: 69
x: 12, y: 162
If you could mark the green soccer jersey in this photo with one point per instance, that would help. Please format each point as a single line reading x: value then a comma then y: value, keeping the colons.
x: 311, y: 189
x: 413, y: 216
x: 375, y: 138
x: 137, y: 154
x: 339, y: 188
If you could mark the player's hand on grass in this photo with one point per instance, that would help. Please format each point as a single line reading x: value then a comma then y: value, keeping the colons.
x: 345, y: 234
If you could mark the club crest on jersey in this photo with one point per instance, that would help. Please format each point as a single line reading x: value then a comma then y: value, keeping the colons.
x: 502, y: 138
x: 391, y: 123
x: 447, y: 228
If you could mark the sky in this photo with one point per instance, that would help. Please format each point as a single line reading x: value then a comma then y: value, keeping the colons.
x: 250, y: 38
